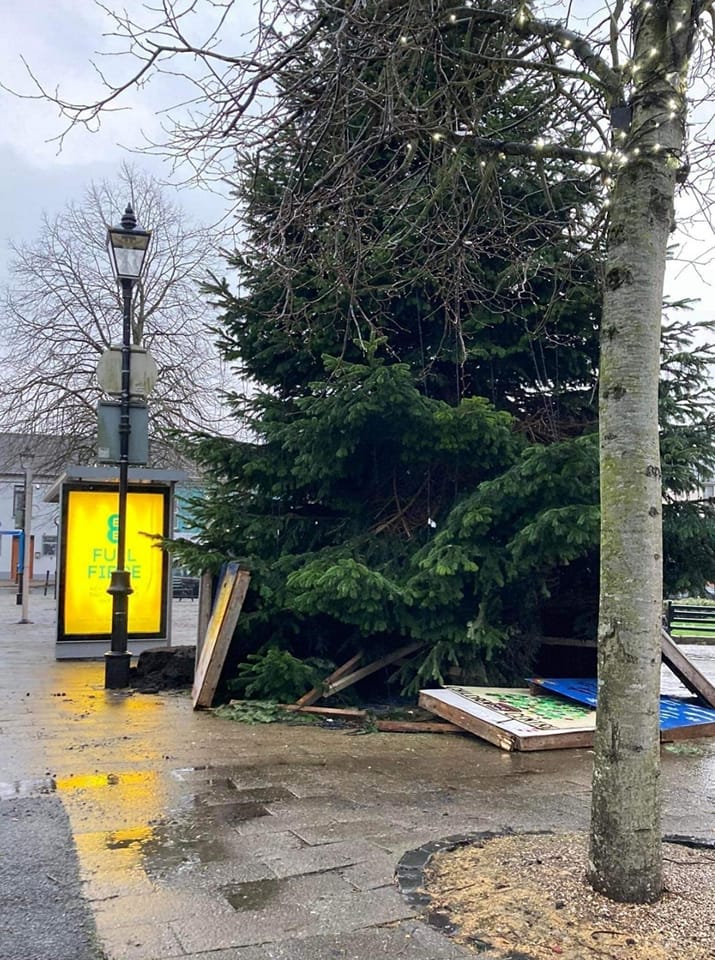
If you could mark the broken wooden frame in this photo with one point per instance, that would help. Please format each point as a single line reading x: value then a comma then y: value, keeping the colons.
x: 488, y: 713
x: 344, y: 676
x: 494, y: 715
x: 509, y: 720
x: 508, y: 729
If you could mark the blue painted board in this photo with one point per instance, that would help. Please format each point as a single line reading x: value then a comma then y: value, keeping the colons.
x: 674, y: 712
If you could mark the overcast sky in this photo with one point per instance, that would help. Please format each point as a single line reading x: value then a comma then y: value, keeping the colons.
x: 59, y: 38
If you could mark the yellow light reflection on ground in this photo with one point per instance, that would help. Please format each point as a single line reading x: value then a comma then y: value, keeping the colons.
x: 111, y: 860
x: 106, y: 858
x: 93, y: 781
x: 125, y: 839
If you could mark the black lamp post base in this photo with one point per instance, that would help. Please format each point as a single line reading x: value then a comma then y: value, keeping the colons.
x: 117, y: 659
x: 116, y: 670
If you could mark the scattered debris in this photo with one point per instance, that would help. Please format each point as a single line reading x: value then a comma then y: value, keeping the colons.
x: 260, y: 711
x: 416, y: 726
x: 367, y: 721
x: 336, y: 686
x: 344, y: 676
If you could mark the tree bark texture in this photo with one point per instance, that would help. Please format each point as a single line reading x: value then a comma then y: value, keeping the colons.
x: 625, y: 855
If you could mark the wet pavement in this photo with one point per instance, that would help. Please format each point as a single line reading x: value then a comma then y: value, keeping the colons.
x: 198, y: 837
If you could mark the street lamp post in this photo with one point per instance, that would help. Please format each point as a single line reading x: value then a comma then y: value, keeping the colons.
x: 26, y: 458
x: 127, y: 244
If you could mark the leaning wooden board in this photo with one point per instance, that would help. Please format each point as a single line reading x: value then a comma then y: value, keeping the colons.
x: 222, y: 623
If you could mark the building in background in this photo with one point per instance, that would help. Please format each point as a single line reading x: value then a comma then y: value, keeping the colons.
x: 42, y: 458
x: 46, y: 458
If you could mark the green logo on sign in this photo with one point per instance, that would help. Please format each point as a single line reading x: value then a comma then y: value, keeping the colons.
x: 113, y: 527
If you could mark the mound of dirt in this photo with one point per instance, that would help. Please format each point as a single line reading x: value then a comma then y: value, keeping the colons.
x: 164, y: 668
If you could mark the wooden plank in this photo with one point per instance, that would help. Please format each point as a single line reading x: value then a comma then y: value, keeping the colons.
x: 685, y: 671
x: 317, y: 692
x: 373, y: 667
x: 559, y: 740
x: 384, y: 726
x: 487, y: 731
x: 585, y: 738
x: 581, y: 642
x: 416, y: 726
x: 691, y: 732
x: 347, y: 713
x: 202, y: 626
x: 224, y: 617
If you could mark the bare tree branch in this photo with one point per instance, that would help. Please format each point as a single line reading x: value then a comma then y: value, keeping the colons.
x: 62, y: 310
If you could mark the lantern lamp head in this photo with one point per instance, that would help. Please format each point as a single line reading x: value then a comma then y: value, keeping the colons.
x: 128, y: 245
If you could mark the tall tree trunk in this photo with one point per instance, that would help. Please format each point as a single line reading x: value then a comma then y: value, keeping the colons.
x: 625, y: 855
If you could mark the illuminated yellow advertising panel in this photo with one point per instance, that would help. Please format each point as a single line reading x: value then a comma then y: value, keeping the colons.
x: 90, y: 556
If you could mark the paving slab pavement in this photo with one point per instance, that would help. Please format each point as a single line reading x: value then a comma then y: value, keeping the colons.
x: 197, y: 837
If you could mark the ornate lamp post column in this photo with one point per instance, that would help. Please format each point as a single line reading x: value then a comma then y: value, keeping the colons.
x: 127, y: 244
x: 23, y: 597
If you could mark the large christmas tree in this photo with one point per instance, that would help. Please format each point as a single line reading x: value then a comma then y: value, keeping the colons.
x: 420, y: 327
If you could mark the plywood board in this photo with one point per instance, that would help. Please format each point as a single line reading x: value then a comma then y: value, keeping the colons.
x: 222, y: 623
x: 519, y: 719
x: 513, y: 719
x: 685, y: 671
x: 675, y: 713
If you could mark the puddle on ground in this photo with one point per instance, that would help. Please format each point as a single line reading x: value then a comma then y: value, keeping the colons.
x: 224, y: 793
x: 219, y: 783
x: 170, y: 833
x: 252, y: 895
x: 235, y: 812
x: 27, y: 788
x: 167, y: 846
x: 265, y: 794
x: 126, y: 839
x: 183, y: 840
x: 228, y: 778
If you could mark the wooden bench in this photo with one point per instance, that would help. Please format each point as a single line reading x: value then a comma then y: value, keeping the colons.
x: 690, y: 621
